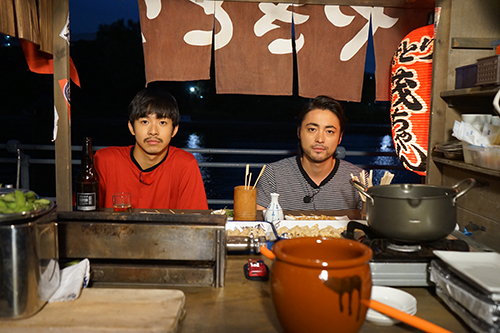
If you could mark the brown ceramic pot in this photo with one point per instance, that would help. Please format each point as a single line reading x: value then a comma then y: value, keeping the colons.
x: 318, y: 283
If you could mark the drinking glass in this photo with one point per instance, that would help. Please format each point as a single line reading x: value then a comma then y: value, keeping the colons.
x: 122, y: 202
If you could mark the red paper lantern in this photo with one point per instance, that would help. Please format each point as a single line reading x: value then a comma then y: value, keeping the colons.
x: 411, y: 75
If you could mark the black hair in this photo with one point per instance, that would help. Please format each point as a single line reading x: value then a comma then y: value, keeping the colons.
x: 323, y: 103
x: 154, y: 101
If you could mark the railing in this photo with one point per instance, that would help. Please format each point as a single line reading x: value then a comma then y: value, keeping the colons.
x: 24, y: 161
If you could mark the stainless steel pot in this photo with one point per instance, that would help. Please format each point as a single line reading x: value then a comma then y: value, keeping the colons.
x: 412, y: 212
x: 29, y: 268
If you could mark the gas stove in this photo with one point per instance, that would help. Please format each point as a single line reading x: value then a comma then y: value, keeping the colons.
x: 397, y: 263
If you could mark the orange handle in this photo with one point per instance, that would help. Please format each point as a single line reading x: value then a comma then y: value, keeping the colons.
x: 414, y: 321
x: 267, y: 253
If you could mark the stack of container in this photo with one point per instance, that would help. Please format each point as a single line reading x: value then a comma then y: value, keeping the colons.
x: 472, y: 295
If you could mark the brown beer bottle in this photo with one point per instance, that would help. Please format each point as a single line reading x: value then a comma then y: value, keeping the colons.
x: 87, y: 181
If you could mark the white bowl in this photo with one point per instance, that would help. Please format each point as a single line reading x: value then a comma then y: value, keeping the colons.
x: 396, y: 298
x: 477, y: 120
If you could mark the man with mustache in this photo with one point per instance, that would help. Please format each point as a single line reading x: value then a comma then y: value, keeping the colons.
x: 315, y: 179
x: 158, y: 175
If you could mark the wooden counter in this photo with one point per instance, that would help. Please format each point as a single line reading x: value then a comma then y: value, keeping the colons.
x: 107, y: 310
x: 241, y: 306
x: 246, y: 306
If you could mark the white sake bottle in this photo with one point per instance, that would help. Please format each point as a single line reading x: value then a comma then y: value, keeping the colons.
x: 274, y: 211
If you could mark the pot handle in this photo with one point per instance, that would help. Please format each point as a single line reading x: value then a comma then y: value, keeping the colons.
x: 457, y: 185
x: 361, y: 188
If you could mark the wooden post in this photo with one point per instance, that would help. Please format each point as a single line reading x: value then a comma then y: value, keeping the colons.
x: 437, y: 133
x: 60, y: 11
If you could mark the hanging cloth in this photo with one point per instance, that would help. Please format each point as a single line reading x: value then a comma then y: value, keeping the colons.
x: 331, y: 51
x: 43, y: 63
x: 253, y: 49
x: 177, y: 39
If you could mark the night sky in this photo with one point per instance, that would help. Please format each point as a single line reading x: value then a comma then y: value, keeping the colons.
x: 86, y: 15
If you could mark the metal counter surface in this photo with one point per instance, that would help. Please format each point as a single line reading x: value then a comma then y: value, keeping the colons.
x: 246, y: 306
x: 146, y: 249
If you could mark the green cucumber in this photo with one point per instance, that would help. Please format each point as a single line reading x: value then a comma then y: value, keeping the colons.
x: 9, y: 197
x: 42, y: 201
x: 12, y: 205
x: 30, y: 196
x: 20, y: 199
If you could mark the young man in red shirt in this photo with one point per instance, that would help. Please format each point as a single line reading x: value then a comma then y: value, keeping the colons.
x: 158, y: 175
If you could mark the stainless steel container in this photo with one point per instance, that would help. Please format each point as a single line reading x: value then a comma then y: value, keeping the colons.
x: 29, y: 268
x: 146, y: 248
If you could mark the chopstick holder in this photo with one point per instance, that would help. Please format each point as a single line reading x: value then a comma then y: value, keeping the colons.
x: 363, y: 197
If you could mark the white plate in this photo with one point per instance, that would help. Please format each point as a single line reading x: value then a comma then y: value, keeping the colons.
x: 482, y: 268
x: 396, y: 298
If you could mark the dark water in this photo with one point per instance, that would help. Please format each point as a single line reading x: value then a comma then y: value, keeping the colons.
x: 219, y: 182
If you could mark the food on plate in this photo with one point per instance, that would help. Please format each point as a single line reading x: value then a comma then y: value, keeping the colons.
x: 228, y: 212
x: 314, y: 231
x: 311, y: 217
x: 288, y: 229
x: 247, y: 231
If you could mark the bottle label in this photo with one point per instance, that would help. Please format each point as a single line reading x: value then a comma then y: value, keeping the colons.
x: 86, y: 201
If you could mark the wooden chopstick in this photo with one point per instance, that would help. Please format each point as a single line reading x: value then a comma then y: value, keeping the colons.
x: 357, y: 179
x: 246, y: 175
x: 260, y: 174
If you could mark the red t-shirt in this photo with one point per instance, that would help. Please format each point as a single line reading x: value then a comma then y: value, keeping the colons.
x: 175, y: 183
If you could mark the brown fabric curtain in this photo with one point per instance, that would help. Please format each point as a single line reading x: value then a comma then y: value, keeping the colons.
x: 177, y: 39
x: 386, y: 41
x: 254, y: 49
x: 7, y: 18
x: 253, y: 46
x: 28, y: 19
x: 45, y: 19
x: 327, y: 64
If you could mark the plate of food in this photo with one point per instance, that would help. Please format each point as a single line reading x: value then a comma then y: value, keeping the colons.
x: 249, y: 228
x: 310, y: 228
x: 314, y: 217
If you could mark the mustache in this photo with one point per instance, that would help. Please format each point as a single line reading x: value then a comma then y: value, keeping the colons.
x: 152, y: 138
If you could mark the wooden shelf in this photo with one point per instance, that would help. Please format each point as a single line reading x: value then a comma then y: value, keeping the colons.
x: 473, y: 43
x: 485, y: 91
x: 469, y: 96
x: 466, y: 166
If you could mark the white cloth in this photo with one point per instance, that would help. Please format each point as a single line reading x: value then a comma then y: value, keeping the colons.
x: 73, y: 279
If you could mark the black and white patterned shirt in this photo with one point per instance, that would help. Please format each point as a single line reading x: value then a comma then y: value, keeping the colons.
x: 288, y: 178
